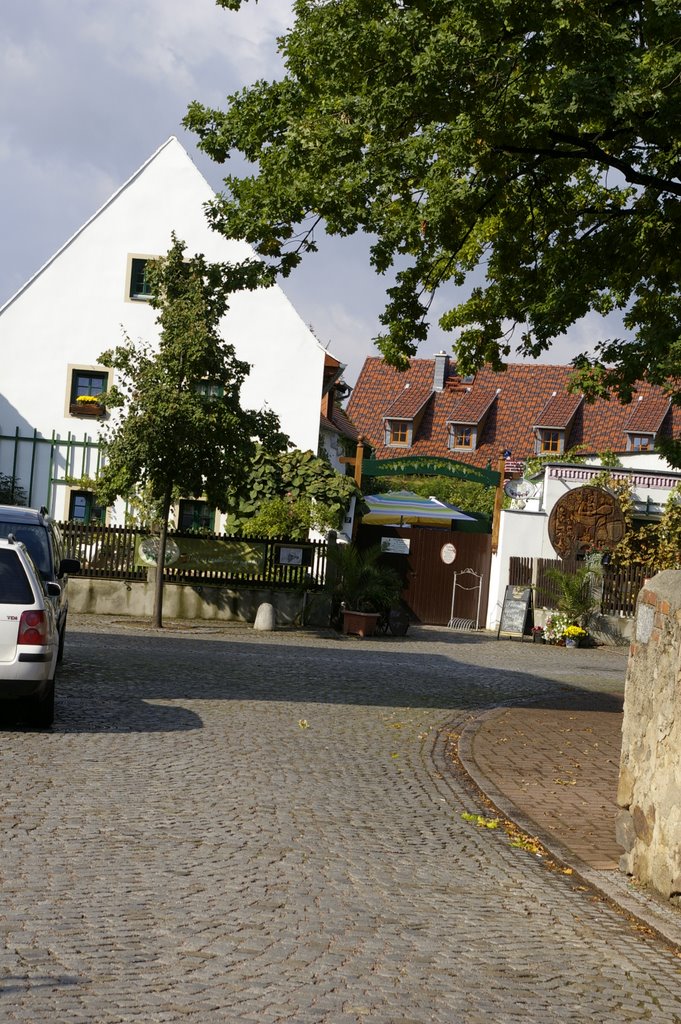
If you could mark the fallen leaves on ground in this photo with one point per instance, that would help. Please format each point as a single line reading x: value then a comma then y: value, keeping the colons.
x: 519, y: 839
x: 481, y: 821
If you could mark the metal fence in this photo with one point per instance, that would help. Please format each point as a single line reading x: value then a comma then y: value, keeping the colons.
x: 619, y: 590
x: 117, y: 552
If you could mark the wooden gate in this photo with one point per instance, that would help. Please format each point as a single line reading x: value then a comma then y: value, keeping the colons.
x: 427, y: 580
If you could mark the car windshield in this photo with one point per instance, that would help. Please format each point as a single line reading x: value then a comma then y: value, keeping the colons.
x: 35, y: 539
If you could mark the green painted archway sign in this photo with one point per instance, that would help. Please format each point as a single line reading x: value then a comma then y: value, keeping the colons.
x: 426, y: 466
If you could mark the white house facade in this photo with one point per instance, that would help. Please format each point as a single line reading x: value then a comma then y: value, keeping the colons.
x: 91, y: 293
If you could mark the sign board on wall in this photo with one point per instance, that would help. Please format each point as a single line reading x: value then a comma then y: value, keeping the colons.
x: 203, y: 554
x: 290, y: 556
x: 448, y: 553
x: 395, y: 545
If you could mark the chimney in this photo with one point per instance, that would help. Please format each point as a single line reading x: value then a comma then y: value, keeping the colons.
x: 441, y: 367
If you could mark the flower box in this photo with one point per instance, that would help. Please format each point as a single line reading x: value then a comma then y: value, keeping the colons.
x: 86, y: 409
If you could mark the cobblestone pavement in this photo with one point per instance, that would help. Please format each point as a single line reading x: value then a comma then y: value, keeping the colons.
x: 229, y: 826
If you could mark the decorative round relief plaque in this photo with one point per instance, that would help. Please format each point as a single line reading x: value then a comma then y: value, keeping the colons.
x: 585, y: 519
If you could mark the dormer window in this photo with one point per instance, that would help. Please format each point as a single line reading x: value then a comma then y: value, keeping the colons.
x: 550, y: 442
x: 554, y: 423
x: 468, y: 417
x: 462, y: 436
x: 640, y: 442
x: 398, y: 433
x: 402, y: 418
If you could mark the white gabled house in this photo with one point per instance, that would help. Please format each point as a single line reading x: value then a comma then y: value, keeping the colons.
x: 91, y: 292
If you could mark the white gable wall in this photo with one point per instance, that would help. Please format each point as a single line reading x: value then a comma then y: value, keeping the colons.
x: 75, y: 307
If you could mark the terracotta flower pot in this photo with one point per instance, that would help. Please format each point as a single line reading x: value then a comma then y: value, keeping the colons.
x: 360, y: 623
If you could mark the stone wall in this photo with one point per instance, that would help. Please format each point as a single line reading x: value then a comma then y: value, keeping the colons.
x: 649, y: 792
x: 185, y: 601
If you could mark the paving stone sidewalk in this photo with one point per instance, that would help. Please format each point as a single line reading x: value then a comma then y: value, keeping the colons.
x: 554, y: 771
x: 229, y: 827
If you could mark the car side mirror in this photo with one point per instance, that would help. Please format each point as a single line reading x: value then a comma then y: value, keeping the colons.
x: 53, y: 589
x: 67, y: 566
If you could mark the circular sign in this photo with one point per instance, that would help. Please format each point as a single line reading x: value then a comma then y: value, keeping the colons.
x: 149, y: 548
x: 448, y: 553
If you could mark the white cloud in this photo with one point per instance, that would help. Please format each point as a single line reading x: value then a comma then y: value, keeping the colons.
x: 170, y: 41
x: 89, y: 90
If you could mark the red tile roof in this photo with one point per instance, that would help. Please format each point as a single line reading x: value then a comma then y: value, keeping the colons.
x: 525, y: 391
x: 409, y: 403
x: 559, y: 411
x: 646, y: 414
x: 343, y: 425
x: 470, y: 408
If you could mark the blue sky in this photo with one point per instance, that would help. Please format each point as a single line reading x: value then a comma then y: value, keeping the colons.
x: 88, y: 91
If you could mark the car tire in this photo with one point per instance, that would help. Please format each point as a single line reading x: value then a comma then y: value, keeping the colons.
x: 62, y: 637
x: 41, y: 713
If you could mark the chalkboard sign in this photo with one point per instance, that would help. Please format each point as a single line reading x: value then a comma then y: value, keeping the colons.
x: 516, y: 614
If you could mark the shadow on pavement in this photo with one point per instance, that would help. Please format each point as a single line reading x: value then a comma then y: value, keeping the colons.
x: 119, y: 681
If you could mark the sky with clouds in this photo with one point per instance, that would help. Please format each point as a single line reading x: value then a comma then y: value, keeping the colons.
x: 88, y: 91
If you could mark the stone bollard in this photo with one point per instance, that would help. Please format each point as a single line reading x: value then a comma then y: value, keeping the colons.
x: 265, y: 618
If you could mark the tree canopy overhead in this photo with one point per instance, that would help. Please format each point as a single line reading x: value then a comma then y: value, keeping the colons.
x: 537, y: 141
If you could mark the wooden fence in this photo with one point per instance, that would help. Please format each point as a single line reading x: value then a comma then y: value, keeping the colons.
x: 113, y: 552
x: 620, y: 585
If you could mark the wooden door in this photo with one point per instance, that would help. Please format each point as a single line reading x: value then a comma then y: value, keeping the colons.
x: 428, y: 582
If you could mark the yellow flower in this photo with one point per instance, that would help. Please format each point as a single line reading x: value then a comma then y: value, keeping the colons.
x: 575, y: 631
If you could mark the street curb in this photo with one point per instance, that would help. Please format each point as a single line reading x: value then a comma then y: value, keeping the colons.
x: 648, y: 910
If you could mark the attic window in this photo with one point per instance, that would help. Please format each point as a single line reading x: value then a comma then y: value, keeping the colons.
x: 550, y: 442
x: 462, y: 436
x: 398, y: 433
x: 640, y: 442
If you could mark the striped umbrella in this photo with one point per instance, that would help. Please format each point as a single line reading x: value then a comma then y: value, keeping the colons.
x: 404, y: 508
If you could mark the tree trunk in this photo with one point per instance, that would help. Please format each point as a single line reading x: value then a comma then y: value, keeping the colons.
x: 157, y: 618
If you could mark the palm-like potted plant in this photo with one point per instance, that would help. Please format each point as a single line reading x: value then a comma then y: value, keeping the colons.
x: 364, y: 589
x: 576, y: 601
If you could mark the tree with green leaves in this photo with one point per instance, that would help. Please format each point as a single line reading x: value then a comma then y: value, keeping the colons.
x: 11, y: 491
x: 290, y: 493
x: 536, y: 143
x: 177, y: 424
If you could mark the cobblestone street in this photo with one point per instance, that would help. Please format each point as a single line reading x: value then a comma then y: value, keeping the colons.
x: 228, y: 826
